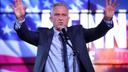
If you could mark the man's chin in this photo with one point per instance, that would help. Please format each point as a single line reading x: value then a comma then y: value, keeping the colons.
x: 60, y: 27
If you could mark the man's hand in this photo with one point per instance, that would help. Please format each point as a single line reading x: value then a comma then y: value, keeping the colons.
x: 19, y: 9
x: 110, y: 9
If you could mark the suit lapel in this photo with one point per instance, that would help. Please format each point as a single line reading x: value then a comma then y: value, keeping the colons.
x: 50, y: 34
x: 49, y: 41
x: 71, y: 34
x: 50, y: 37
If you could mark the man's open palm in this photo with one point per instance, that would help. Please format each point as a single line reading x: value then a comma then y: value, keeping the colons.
x: 19, y: 9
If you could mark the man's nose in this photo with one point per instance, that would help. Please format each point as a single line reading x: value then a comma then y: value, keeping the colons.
x: 60, y: 18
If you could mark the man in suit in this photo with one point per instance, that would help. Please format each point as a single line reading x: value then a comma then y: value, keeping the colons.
x: 50, y: 49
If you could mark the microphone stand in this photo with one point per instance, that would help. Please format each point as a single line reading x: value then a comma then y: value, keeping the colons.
x: 75, y: 52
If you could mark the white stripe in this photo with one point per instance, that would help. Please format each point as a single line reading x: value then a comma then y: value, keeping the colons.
x: 12, y: 48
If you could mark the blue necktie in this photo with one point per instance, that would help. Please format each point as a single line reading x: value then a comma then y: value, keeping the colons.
x: 64, y: 52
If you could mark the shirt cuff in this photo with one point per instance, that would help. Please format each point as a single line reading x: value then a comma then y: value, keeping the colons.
x: 109, y: 23
x: 18, y: 24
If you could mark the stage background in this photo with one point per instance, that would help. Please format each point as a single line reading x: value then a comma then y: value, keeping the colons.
x: 108, y: 54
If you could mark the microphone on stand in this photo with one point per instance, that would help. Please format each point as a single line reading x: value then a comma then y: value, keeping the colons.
x: 65, y: 34
x: 68, y: 40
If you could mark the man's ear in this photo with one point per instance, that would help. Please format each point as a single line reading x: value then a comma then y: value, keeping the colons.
x: 68, y: 18
x: 50, y: 18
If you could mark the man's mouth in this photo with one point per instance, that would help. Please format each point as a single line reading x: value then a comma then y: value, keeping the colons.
x: 61, y: 23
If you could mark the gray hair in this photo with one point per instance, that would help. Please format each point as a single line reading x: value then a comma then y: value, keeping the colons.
x: 58, y: 4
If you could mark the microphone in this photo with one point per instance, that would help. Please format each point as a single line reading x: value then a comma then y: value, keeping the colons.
x: 65, y: 34
x: 67, y: 40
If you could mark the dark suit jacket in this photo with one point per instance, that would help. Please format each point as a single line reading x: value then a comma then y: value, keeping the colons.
x: 42, y: 38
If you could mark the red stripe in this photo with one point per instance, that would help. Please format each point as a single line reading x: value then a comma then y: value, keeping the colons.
x: 17, y: 64
x: 17, y: 68
x: 5, y: 59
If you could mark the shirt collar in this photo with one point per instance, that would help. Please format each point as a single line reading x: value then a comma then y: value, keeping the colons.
x: 56, y: 32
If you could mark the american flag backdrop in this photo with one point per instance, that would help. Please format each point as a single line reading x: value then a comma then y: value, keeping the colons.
x: 19, y: 56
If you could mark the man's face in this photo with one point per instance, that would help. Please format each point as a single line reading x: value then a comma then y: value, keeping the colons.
x: 59, y: 17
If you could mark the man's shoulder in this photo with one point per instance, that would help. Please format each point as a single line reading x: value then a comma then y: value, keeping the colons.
x: 45, y: 30
x: 76, y: 26
x: 42, y: 28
